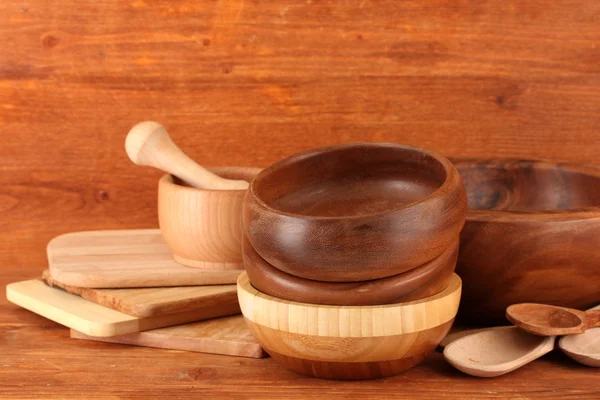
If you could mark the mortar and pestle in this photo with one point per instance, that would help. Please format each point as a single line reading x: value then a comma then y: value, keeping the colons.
x: 350, y: 253
x: 199, y: 210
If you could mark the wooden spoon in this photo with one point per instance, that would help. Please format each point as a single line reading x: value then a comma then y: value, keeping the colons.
x: 497, y: 351
x: 148, y: 143
x: 547, y: 320
x: 460, y: 332
x: 584, y: 347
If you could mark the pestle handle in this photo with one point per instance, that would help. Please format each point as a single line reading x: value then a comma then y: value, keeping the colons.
x: 148, y: 143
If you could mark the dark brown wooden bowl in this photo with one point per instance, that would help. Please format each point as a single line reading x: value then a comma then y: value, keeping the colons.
x: 420, y: 282
x: 532, y: 235
x: 355, y: 212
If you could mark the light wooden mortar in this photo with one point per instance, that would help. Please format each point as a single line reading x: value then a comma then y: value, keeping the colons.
x: 348, y: 342
x: 203, y: 228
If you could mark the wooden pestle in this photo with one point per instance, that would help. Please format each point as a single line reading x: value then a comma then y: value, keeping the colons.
x: 148, y: 143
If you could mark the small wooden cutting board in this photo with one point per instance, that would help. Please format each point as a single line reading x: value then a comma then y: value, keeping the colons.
x: 124, y: 259
x: 96, y: 320
x: 228, y: 335
x: 147, y: 302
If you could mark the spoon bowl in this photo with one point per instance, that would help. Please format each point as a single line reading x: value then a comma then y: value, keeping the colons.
x: 583, y: 348
x: 497, y: 351
x: 547, y: 320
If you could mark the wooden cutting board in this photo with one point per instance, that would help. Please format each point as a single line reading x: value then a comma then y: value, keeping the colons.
x: 93, y: 319
x: 227, y: 335
x: 123, y: 259
x: 146, y: 302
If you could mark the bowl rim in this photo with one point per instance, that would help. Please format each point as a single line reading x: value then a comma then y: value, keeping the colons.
x: 441, y: 191
x: 455, y: 284
x: 534, y: 215
x: 167, y: 179
x: 349, y: 321
x: 290, y: 284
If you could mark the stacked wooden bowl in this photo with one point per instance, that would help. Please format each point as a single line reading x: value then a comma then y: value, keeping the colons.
x: 349, y: 242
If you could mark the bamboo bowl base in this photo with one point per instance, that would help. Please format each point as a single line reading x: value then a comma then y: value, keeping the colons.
x: 348, y: 342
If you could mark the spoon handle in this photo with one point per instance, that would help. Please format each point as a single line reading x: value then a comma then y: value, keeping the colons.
x: 148, y: 143
x: 592, y: 318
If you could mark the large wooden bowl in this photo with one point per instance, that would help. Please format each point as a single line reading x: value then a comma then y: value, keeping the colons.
x: 348, y: 342
x: 420, y: 282
x: 355, y: 212
x: 532, y: 235
x: 203, y: 228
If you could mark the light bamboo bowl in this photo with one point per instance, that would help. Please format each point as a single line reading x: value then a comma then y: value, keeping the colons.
x: 348, y: 342
x: 203, y: 228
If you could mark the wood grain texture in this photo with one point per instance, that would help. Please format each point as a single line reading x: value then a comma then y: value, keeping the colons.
x: 349, y: 342
x: 585, y: 347
x: 547, y: 320
x: 148, y: 143
x: 147, y: 302
x: 348, y: 321
x: 490, y: 78
x: 76, y: 368
x: 124, y: 258
x: 532, y: 235
x: 459, y: 331
x: 400, y: 355
x: 496, y: 78
x: 498, y: 351
x: 420, y: 282
x: 93, y: 319
x: 228, y: 336
x: 331, y: 214
x: 203, y: 228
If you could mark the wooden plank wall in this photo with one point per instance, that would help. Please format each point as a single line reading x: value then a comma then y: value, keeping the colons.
x: 248, y: 82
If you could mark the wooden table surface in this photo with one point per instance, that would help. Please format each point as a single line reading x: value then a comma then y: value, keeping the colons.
x: 39, y: 360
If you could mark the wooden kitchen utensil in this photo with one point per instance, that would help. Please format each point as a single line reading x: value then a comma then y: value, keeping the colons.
x: 584, y: 347
x: 332, y: 214
x: 148, y: 143
x: 532, y: 235
x: 348, y: 342
x: 228, y: 335
x: 547, y: 320
x: 122, y: 259
x: 420, y: 282
x: 146, y: 302
x: 497, y: 351
x: 91, y: 318
x: 203, y: 228
x: 459, y: 332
